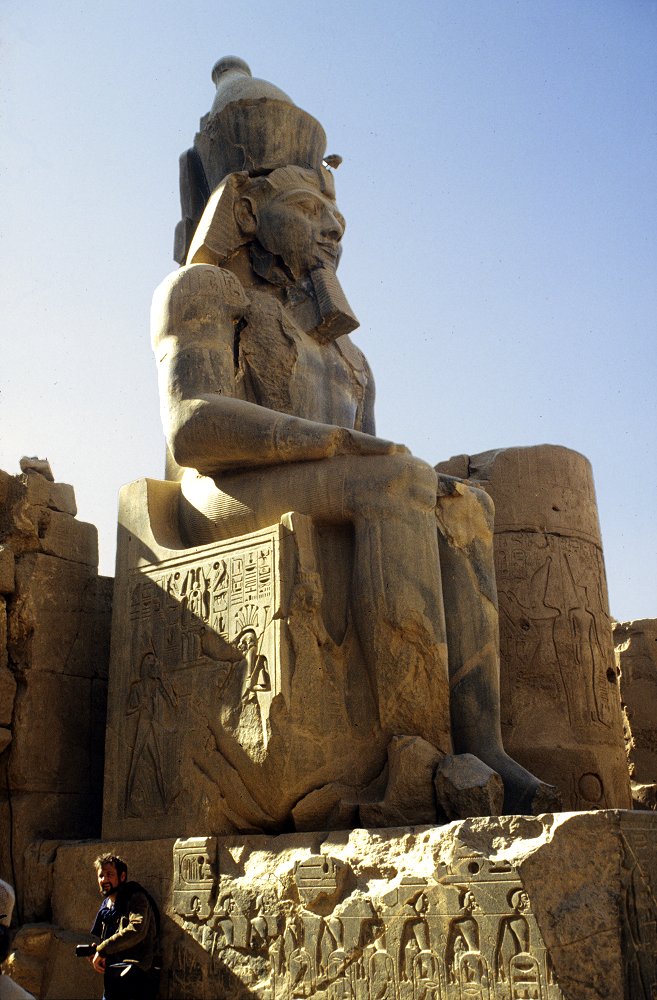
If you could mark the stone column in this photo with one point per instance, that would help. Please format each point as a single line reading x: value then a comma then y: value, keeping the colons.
x: 561, y: 712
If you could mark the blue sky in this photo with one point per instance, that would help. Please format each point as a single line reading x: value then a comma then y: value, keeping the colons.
x: 500, y: 189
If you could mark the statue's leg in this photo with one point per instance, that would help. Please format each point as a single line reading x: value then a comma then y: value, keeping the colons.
x: 396, y: 595
x: 465, y: 542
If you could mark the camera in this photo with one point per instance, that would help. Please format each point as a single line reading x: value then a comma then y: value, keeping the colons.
x: 85, y: 950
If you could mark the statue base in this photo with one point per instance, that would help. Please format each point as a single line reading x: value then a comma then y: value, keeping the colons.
x: 556, y: 907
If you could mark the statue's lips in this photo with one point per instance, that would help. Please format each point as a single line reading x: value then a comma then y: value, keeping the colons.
x: 331, y: 250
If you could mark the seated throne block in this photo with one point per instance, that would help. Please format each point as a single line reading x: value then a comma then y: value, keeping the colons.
x: 239, y: 698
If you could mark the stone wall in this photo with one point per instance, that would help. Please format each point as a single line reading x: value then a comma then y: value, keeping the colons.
x: 636, y: 658
x: 55, y: 615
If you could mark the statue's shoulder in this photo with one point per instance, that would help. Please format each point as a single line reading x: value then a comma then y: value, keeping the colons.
x: 200, y: 280
x: 193, y: 293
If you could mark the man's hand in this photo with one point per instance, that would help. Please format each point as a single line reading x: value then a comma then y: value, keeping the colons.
x: 98, y: 962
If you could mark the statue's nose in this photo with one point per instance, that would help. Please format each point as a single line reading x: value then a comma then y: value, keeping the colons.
x: 332, y: 228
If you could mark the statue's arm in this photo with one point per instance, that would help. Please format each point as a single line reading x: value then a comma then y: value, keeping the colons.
x: 194, y: 321
x: 367, y: 418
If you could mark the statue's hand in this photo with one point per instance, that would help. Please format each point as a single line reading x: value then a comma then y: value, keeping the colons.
x: 357, y: 443
x: 297, y: 440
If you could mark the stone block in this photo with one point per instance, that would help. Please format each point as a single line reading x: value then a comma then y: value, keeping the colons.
x: 644, y: 796
x: 331, y: 807
x: 52, y: 728
x: 465, y: 786
x: 98, y: 720
x: 102, y: 627
x: 7, y: 695
x: 557, y: 907
x: 560, y: 702
x: 7, y: 570
x: 63, y: 536
x: 43, y: 962
x: 56, y: 496
x: 6, y: 482
x: 53, y: 623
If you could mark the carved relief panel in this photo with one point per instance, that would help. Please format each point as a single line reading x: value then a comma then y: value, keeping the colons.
x: 201, y: 665
x: 467, y: 931
x: 639, y: 906
x: 556, y: 664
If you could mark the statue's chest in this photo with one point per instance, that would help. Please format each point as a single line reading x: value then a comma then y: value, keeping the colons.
x: 284, y: 369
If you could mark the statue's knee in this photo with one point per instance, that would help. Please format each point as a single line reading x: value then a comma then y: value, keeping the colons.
x: 464, y: 512
x: 391, y: 483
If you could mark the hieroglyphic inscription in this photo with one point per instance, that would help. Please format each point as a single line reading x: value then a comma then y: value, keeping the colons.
x: 639, y: 909
x: 201, y: 650
x: 556, y: 666
x: 174, y: 602
x: 465, y: 933
x: 554, y: 623
x: 194, y: 878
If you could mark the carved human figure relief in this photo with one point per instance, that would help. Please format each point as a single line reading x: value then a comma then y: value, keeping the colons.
x: 152, y: 783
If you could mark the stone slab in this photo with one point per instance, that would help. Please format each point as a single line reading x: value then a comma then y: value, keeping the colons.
x: 556, y: 907
x: 57, y: 496
x: 63, y: 536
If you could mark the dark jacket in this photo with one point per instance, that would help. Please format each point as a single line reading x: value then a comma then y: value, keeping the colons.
x: 128, y: 929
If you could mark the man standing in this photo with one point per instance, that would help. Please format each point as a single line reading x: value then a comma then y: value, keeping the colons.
x: 127, y: 925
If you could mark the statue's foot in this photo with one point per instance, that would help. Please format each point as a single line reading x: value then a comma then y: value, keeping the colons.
x: 524, y: 794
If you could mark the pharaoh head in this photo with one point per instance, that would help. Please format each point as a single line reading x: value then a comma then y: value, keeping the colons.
x: 256, y: 185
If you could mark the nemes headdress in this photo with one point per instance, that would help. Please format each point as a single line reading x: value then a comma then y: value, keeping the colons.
x: 253, y: 128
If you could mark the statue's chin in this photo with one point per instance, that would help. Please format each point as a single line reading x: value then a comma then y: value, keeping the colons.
x: 316, y: 299
x: 319, y: 305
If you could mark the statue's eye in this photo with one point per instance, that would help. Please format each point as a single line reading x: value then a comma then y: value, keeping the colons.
x: 309, y: 207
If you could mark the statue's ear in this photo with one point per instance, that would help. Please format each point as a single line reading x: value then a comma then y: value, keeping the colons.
x: 245, y: 216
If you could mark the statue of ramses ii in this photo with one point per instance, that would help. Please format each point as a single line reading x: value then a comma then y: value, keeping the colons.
x: 268, y: 407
